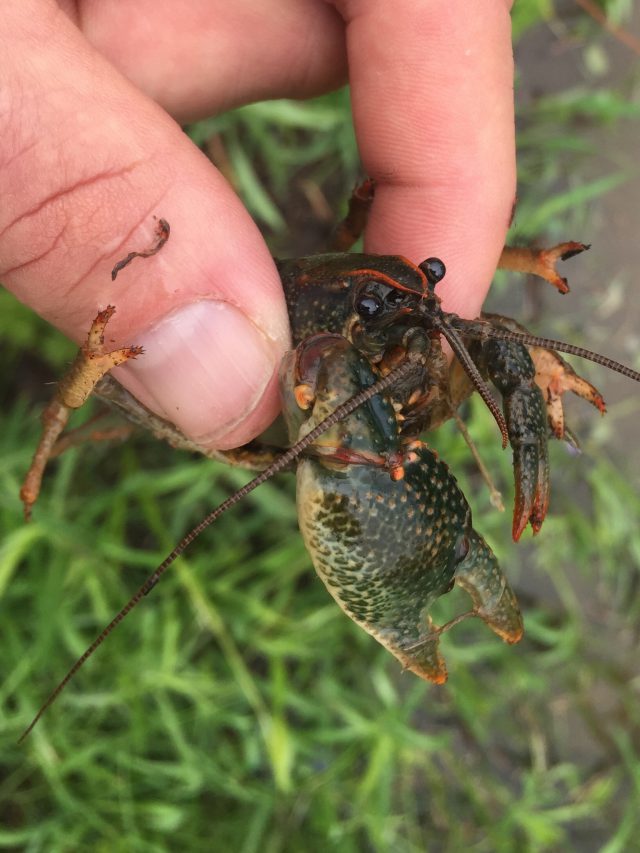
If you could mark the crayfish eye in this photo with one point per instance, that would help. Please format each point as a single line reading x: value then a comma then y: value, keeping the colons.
x: 369, y: 305
x: 434, y: 270
x: 462, y: 548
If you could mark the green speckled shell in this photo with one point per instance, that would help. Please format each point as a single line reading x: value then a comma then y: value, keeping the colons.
x: 387, y: 550
x: 384, y: 548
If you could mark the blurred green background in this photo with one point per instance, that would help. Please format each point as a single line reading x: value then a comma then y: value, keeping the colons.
x: 238, y: 709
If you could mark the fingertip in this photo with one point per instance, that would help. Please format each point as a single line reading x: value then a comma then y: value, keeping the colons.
x: 433, y: 106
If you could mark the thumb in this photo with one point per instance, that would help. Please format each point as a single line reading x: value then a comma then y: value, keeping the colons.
x: 87, y: 162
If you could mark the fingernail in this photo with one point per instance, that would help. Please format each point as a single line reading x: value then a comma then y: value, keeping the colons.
x: 205, y: 368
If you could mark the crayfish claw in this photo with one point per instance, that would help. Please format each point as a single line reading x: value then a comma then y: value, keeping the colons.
x: 541, y: 262
x: 513, y: 372
x: 422, y: 658
x: 91, y: 363
x: 532, y: 484
x: 525, y: 464
x: 543, y: 488
x: 554, y: 377
x: 494, y: 601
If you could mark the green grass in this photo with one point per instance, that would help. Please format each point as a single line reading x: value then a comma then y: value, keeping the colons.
x: 237, y: 708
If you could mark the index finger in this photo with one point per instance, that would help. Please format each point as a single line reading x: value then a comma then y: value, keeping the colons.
x: 432, y: 92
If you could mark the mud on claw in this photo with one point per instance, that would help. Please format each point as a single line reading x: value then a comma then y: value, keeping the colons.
x: 388, y: 528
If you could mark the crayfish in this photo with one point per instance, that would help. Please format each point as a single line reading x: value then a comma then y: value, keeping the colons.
x: 387, y: 526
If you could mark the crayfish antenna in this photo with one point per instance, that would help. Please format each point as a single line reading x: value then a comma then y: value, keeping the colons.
x: 457, y: 345
x: 495, y: 496
x: 482, y: 330
x: 397, y: 375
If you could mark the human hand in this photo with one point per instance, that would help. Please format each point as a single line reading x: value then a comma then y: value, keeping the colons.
x: 89, y: 154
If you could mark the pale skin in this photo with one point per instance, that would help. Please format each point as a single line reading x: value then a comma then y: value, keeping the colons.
x: 90, y: 153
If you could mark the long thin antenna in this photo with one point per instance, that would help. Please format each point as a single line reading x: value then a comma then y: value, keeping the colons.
x: 457, y: 345
x: 481, y: 330
x: 397, y: 375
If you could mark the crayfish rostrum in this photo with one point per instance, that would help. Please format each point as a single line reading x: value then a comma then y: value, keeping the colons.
x: 387, y: 526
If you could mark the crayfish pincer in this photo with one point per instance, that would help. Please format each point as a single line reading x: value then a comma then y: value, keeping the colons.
x: 385, y: 522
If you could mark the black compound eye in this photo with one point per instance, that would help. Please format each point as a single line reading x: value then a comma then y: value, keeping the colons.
x: 369, y: 306
x: 462, y: 548
x: 434, y: 270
